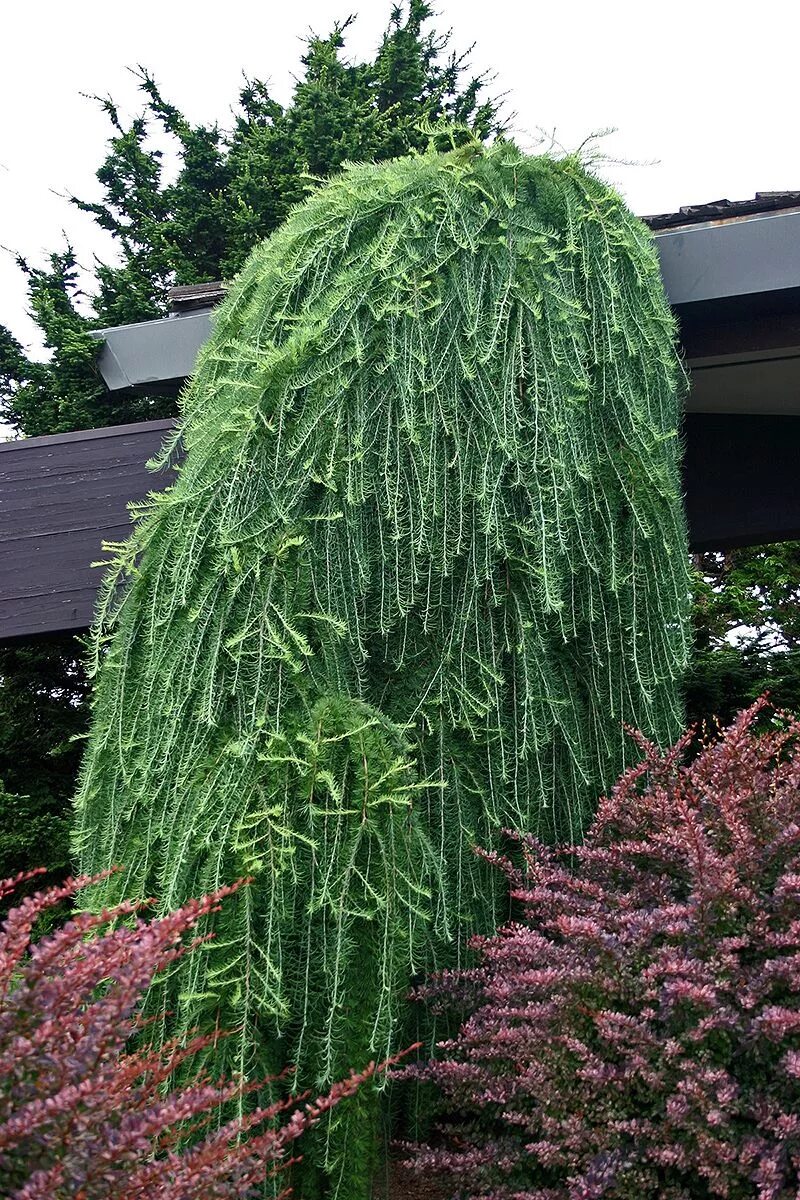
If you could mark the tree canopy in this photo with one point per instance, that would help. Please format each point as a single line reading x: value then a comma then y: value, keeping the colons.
x: 424, y: 560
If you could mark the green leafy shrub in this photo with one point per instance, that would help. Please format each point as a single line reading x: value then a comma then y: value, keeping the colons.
x: 84, y: 1115
x: 634, y: 1033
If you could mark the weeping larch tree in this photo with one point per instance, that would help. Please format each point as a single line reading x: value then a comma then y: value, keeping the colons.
x: 424, y: 559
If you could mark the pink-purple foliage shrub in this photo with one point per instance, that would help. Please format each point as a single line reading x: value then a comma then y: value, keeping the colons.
x: 84, y: 1116
x: 635, y: 1032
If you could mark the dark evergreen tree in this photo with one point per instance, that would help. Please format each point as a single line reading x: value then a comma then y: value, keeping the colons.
x: 231, y: 189
x: 746, y: 620
x: 44, y: 712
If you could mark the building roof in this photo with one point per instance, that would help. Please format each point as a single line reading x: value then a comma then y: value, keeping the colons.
x: 725, y: 210
x: 192, y: 296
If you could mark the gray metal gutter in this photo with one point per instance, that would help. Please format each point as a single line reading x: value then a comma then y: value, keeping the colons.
x: 152, y: 355
x: 730, y: 258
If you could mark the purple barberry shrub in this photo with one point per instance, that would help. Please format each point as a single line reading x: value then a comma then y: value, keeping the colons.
x: 634, y: 1032
x: 85, y: 1116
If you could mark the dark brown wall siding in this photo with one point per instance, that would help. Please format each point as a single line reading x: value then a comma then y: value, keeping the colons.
x: 61, y: 497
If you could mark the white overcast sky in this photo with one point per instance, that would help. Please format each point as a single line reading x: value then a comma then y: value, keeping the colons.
x: 703, y: 97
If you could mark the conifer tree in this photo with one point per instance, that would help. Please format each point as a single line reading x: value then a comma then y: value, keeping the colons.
x: 746, y: 619
x: 233, y: 187
x: 425, y: 559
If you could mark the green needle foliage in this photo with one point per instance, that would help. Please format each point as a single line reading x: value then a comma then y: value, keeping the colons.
x: 426, y: 555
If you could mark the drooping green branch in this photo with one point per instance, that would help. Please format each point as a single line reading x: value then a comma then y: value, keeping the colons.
x: 426, y: 556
